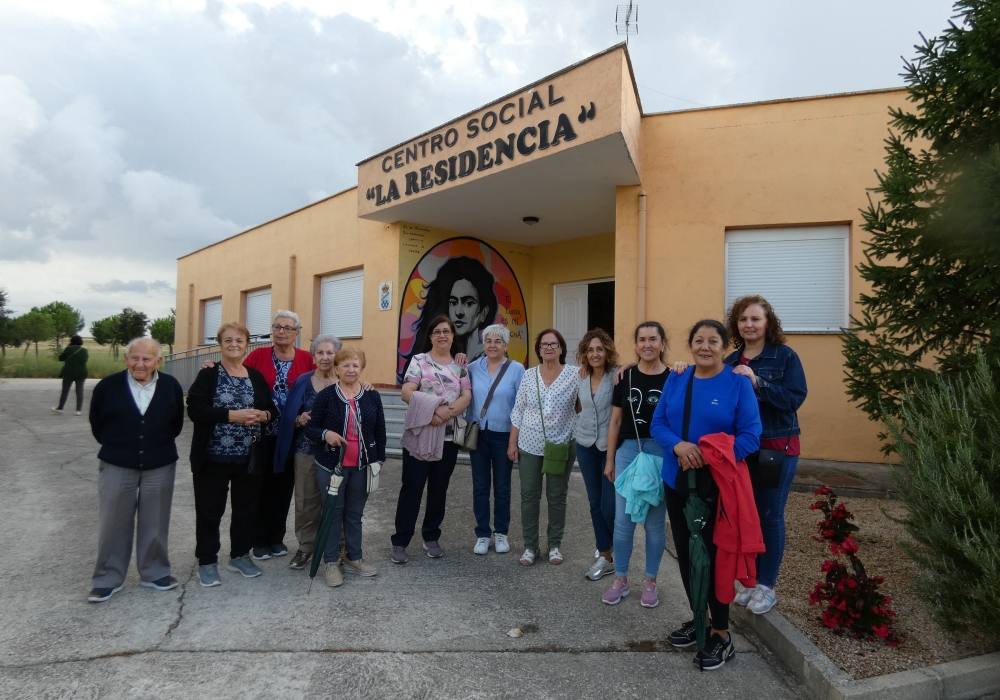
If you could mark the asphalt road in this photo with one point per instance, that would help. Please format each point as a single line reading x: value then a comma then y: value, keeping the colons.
x: 432, y: 628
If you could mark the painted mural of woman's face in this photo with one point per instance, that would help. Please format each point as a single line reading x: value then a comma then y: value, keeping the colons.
x: 463, y: 307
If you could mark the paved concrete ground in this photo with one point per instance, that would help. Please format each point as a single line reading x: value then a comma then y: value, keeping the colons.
x: 433, y: 628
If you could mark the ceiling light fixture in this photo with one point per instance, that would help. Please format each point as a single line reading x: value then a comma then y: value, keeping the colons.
x: 530, y: 220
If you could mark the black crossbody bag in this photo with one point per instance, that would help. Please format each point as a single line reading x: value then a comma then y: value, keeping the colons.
x: 766, y: 466
x: 704, y: 483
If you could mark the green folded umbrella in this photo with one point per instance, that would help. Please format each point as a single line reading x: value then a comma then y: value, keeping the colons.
x: 697, y: 513
x: 323, y: 529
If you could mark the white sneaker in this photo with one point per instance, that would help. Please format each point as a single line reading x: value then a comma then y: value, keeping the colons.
x: 743, y: 594
x: 762, y: 601
x: 500, y: 543
x: 482, y: 545
x: 599, y: 569
x: 528, y: 557
x: 555, y: 556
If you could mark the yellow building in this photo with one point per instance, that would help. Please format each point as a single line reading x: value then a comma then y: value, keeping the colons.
x: 582, y: 211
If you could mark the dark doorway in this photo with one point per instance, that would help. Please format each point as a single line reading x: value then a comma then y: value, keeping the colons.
x: 601, y: 306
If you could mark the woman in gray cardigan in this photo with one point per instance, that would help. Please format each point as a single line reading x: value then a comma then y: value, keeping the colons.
x: 598, y: 366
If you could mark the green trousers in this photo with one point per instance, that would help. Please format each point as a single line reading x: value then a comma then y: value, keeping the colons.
x: 530, y: 473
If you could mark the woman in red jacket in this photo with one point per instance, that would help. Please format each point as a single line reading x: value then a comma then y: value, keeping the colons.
x: 281, y: 363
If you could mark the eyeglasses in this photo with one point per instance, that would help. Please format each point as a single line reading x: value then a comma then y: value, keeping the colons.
x: 549, y: 346
x: 284, y: 329
x: 441, y: 333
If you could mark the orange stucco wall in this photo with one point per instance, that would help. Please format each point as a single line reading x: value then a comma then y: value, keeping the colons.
x: 324, y: 238
x: 786, y: 163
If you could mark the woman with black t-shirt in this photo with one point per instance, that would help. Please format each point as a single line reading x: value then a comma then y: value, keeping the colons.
x: 633, y: 402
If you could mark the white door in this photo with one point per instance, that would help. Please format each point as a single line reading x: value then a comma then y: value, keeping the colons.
x: 569, y: 315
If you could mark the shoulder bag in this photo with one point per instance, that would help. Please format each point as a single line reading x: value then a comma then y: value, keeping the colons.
x: 643, y: 457
x: 467, y: 432
x: 766, y: 466
x: 372, y: 469
x: 556, y: 454
x: 699, y: 481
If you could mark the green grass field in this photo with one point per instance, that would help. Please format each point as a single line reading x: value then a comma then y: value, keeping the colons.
x: 100, y: 362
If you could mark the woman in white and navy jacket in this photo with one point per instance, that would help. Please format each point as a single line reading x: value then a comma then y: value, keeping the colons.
x: 348, y: 425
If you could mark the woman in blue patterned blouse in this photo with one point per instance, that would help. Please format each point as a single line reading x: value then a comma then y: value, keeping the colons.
x: 229, y: 404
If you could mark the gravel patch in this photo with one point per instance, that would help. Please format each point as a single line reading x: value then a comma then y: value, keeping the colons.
x: 924, y: 642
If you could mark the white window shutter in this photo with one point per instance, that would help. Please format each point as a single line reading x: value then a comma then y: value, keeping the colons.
x: 258, y: 312
x: 211, y: 320
x: 341, y: 304
x: 802, y: 271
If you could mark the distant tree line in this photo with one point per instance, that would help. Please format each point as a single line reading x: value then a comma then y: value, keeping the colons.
x: 58, y: 321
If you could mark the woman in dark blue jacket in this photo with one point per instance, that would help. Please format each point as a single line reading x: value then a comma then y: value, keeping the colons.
x: 780, y: 385
x: 348, y: 426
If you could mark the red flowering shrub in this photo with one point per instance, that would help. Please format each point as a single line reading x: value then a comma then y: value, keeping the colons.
x: 852, y: 599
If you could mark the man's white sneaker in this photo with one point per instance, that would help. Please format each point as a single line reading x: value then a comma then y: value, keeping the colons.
x: 482, y: 545
x: 500, y: 543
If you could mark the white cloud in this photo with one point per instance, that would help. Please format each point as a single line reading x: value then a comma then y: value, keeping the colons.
x: 133, y: 132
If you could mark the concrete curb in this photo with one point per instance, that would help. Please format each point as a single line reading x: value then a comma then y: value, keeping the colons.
x: 824, y: 680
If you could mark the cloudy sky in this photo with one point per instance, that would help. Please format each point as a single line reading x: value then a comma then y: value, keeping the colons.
x: 134, y: 132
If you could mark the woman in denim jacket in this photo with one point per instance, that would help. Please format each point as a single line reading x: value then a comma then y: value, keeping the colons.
x: 780, y: 385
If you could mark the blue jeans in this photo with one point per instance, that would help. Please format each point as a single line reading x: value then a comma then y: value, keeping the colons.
x: 655, y: 524
x: 348, y: 509
x: 490, y: 466
x: 600, y: 493
x: 771, y: 509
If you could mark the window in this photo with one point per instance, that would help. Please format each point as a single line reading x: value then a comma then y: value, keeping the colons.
x: 258, y: 312
x: 803, y: 271
x: 341, y: 304
x: 211, y: 319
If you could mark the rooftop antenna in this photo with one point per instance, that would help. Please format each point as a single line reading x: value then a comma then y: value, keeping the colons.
x: 627, y: 20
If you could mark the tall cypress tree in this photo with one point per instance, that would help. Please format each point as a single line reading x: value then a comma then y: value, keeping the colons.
x: 933, y: 256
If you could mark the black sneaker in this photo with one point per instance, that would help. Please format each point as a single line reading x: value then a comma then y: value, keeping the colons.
x: 278, y: 550
x: 99, y: 595
x: 261, y: 553
x: 684, y: 636
x: 167, y: 583
x: 717, y: 652
x: 300, y: 560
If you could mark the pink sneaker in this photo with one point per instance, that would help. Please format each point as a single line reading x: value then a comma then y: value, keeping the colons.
x: 619, y: 589
x: 649, y: 598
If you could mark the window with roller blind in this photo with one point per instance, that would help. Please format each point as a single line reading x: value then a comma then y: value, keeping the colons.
x: 257, y: 311
x: 803, y: 271
x: 341, y: 304
x: 211, y: 319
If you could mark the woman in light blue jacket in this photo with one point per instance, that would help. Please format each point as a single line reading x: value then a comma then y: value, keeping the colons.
x: 490, y: 463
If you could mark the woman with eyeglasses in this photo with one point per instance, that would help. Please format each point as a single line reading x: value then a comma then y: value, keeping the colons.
x: 544, y: 412
x: 437, y: 390
x: 280, y: 363
x: 229, y: 404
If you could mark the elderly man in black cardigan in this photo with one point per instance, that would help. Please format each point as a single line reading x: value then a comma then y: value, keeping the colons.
x: 136, y: 416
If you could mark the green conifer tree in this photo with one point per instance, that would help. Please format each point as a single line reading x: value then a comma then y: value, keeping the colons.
x: 933, y: 257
